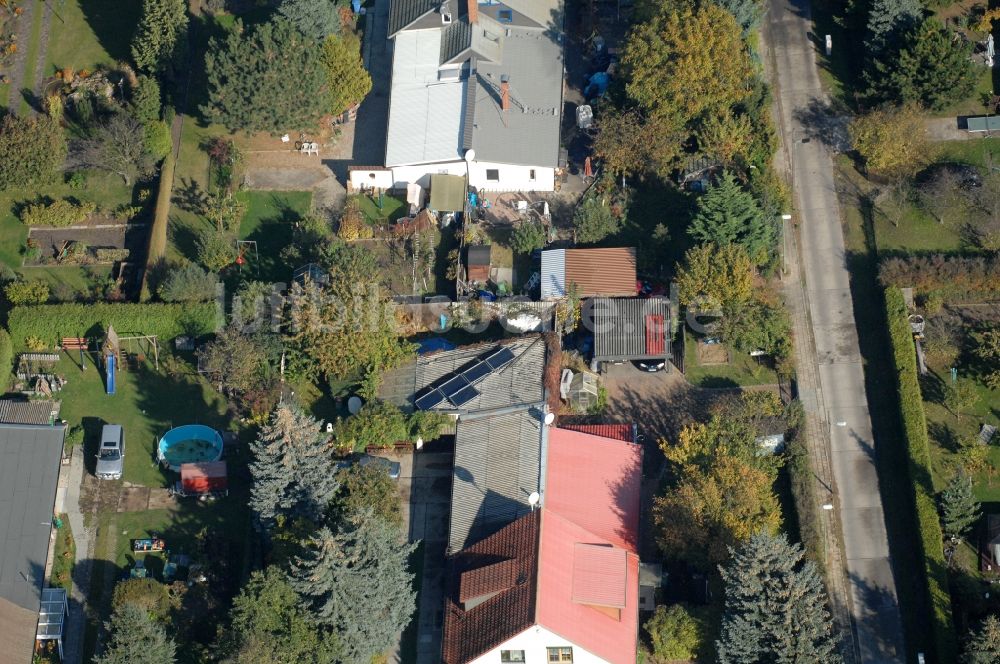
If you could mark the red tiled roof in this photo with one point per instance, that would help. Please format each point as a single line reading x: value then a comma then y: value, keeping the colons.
x: 469, y: 634
x: 599, y: 575
x: 488, y: 579
x: 608, y: 632
x: 614, y: 431
x: 594, y: 482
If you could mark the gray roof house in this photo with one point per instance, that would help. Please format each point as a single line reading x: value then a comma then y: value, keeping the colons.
x: 29, y: 472
x: 476, y: 91
x: 496, y: 391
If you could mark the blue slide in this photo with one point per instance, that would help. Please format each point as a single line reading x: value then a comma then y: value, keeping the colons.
x: 111, y: 374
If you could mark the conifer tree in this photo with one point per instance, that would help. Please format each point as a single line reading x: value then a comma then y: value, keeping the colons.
x: 317, y: 19
x: 984, y: 643
x: 775, y: 606
x: 293, y: 470
x: 160, y: 30
x: 136, y: 637
x: 356, y: 580
x: 959, y: 509
x: 887, y: 19
x: 728, y: 214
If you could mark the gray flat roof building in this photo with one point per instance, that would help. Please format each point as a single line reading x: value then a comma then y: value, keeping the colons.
x: 629, y: 328
x: 29, y: 473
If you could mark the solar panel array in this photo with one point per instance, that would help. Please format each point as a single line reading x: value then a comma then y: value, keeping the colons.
x: 459, y: 388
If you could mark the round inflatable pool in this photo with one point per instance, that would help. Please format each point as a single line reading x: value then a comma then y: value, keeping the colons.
x: 191, y: 443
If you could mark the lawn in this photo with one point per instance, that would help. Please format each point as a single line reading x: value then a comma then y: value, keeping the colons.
x: 147, y: 403
x: 393, y: 207
x: 742, y: 370
x: 31, y: 55
x: 85, y: 33
x: 269, y: 221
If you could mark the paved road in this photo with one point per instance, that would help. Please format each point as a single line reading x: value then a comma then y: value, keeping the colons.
x: 840, y: 400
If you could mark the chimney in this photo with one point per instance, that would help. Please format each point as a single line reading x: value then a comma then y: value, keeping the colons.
x: 472, y: 9
x: 505, y: 93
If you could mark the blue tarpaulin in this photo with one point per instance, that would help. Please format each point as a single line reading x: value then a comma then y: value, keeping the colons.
x: 434, y: 344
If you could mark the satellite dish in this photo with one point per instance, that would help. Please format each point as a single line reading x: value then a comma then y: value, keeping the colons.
x: 470, y: 155
x: 534, y: 498
x: 354, y: 405
x: 550, y: 418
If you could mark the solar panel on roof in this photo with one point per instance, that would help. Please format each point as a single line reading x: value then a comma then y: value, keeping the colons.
x: 453, y: 385
x: 500, y: 358
x: 429, y: 400
x: 477, y: 372
x: 464, y: 396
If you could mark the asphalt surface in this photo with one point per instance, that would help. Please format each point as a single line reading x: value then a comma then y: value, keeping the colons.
x: 840, y: 399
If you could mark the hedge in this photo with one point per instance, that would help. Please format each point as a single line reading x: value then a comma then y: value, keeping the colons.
x: 158, y: 234
x: 973, y: 277
x: 52, y: 322
x: 6, y: 358
x: 914, y: 421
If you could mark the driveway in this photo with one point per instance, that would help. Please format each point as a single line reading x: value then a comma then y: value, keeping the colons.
x: 425, y: 487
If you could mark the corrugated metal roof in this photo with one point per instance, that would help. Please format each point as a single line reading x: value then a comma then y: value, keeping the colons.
x: 403, y: 13
x: 624, y: 328
x: 29, y: 472
x: 602, y: 271
x: 553, y: 274
x: 599, y: 575
x: 455, y: 39
x: 425, y: 114
x: 479, y: 254
x: 28, y: 412
x: 497, y: 466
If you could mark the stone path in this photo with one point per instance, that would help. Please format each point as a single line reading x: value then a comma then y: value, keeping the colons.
x: 85, y: 539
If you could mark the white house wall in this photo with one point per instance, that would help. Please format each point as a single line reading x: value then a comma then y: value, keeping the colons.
x: 512, y: 178
x: 533, y: 641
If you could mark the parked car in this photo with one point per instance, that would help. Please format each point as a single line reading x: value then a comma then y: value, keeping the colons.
x: 650, y: 366
x: 391, y: 467
x: 111, y: 454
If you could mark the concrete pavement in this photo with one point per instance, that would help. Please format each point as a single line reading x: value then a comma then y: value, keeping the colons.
x: 837, y: 401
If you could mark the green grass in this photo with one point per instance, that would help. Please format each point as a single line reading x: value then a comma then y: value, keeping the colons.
x: 269, y: 221
x: 87, y: 33
x: 63, y: 556
x: 392, y: 209
x: 147, y: 404
x: 31, y: 56
x: 742, y: 370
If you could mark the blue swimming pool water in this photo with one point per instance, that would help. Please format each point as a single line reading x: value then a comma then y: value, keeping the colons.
x: 191, y: 443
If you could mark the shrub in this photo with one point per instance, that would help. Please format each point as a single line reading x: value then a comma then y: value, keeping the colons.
x: 76, y: 180
x: 105, y: 255
x: 50, y: 323
x: 953, y: 276
x: 527, y: 237
x: 26, y: 292
x: 58, y: 214
x: 157, y: 139
x: 352, y: 223
x: 148, y: 594
x: 31, y: 150
x: 914, y: 421
x: 6, y: 358
x: 188, y: 283
x: 216, y: 249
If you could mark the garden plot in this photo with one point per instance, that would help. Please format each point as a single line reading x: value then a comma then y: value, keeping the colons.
x: 102, y: 244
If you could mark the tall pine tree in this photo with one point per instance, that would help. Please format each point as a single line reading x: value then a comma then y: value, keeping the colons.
x: 984, y: 643
x: 356, y: 581
x: 136, y: 637
x: 161, y: 29
x: 959, y: 508
x: 728, y: 214
x: 775, y: 606
x: 887, y: 19
x: 293, y: 469
x: 317, y: 19
x: 269, y: 79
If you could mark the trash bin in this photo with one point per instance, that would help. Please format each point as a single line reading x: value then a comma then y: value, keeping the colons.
x: 57, y: 522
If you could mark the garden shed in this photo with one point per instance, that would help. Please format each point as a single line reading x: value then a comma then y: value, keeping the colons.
x: 200, y: 478
x: 478, y: 263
